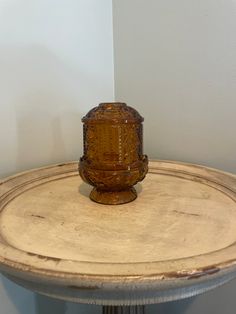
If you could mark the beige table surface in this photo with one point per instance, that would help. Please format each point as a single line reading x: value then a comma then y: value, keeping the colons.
x: 177, y: 239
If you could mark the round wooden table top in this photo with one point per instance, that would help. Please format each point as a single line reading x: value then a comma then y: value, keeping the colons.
x: 177, y: 239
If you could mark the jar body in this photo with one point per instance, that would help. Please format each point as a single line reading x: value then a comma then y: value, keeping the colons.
x: 113, y: 159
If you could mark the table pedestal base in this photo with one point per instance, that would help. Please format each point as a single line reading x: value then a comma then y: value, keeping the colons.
x: 137, y: 309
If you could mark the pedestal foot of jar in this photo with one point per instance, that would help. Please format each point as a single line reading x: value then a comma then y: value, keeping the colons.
x: 113, y: 197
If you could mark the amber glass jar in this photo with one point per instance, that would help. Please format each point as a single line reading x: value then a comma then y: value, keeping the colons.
x: 113, y: 159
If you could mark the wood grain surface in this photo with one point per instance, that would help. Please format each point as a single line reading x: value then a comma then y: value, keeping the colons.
x: 182, y: 226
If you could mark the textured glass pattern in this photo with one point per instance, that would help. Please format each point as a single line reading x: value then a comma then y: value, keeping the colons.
x: 113, y: 159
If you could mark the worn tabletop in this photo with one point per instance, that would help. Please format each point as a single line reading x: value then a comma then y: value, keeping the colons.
x: 177, y: 239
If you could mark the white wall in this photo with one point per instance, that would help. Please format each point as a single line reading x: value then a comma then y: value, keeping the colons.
x: 176, y: 62
x: 56, y: 62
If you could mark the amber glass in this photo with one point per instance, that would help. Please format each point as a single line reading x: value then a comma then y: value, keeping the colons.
x: 113, y: 159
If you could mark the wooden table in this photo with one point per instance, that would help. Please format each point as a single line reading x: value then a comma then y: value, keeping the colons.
x: 176, y: 240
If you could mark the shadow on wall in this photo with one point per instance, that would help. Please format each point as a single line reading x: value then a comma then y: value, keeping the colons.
x: 15, y: 299
x: 46, y: 305
x: 175, y: 307
x: 219, y: 300
x: 47, y: 138
x: 42, y: 112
